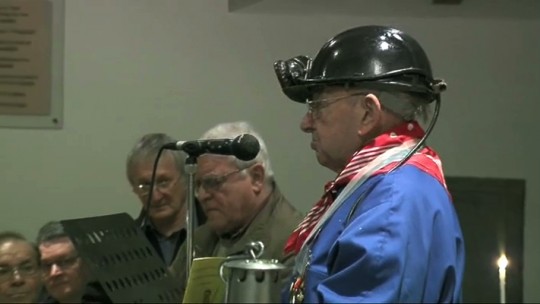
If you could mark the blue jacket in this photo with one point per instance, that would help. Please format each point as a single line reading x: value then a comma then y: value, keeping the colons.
x: 401, y: 243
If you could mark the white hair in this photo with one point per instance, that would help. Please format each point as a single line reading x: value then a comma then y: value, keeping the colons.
x: 409, y: 106
x: 405, y: 105
x: 233, y: 129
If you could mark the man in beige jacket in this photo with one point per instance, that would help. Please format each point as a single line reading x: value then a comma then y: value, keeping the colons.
x: 242, y: 203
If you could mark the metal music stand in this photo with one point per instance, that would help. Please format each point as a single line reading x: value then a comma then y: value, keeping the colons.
x: 122, y: 260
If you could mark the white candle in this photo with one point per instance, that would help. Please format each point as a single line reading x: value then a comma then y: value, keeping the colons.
x: 502, y: 263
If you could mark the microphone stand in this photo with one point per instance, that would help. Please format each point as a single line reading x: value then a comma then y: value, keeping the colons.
x: 191, y: 168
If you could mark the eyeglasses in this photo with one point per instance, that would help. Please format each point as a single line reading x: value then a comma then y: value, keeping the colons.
x: 143, y: 189
x: 315, y: 106
x: 62, y: 264
x: 25, y: 270
x: 213, y: 183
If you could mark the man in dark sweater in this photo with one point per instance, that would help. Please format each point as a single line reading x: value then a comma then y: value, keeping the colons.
x: 165, y: 220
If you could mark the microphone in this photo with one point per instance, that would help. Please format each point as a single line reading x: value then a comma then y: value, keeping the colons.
x: 244, y: 147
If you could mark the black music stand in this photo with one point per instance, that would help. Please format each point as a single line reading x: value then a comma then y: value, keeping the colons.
x: 122, y: 260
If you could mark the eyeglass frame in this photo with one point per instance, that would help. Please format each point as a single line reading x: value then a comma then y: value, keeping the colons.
x: 162, y: 185
x: 314, y: 107
x: 10, y: 271
x: 219, y: 181
x: 63, y: 264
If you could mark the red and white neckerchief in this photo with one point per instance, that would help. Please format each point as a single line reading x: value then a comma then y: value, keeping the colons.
x: 382, y: 143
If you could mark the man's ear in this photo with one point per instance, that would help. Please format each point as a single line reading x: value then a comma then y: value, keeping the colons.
x: 372, y: 114
x: 257, y: 174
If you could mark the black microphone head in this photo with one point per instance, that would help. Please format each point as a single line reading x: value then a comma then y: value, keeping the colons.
x: 245, y: 147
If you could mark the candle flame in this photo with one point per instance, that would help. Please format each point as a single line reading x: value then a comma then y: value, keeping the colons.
x: 502, y: 262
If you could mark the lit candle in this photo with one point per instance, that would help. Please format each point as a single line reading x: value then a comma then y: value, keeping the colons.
x: 502, y: 263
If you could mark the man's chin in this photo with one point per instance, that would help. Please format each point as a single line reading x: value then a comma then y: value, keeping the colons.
x: 160, y: 213
x: 61, y: 292
x: 217, y: 226
x: 23, y: 297
x: 320, y: 159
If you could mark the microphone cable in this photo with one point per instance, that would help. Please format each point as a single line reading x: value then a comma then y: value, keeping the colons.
x: 146, y: 205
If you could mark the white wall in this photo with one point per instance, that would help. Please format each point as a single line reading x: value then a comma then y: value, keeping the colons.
x: 137, y: 66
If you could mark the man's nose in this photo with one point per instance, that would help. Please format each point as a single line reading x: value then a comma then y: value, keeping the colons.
x: 202, y: 194
x: 17, y: 279
x: 55, y: 270
x: 157, y: 195
x: 306, y: 124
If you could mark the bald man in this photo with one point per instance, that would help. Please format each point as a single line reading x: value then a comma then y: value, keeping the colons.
x: 20, y: 281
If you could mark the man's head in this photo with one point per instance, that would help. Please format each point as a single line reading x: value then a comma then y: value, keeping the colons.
x: 362, y: 82
x: 64, y: 273
x: 20, y: 280
x: 231, y: 191
x: 169, y: 193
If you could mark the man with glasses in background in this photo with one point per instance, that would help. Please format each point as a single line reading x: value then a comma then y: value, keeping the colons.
x: 65, y: 274
x: 20, y: 279
x: 164, y: 221
x: 242, y: 203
